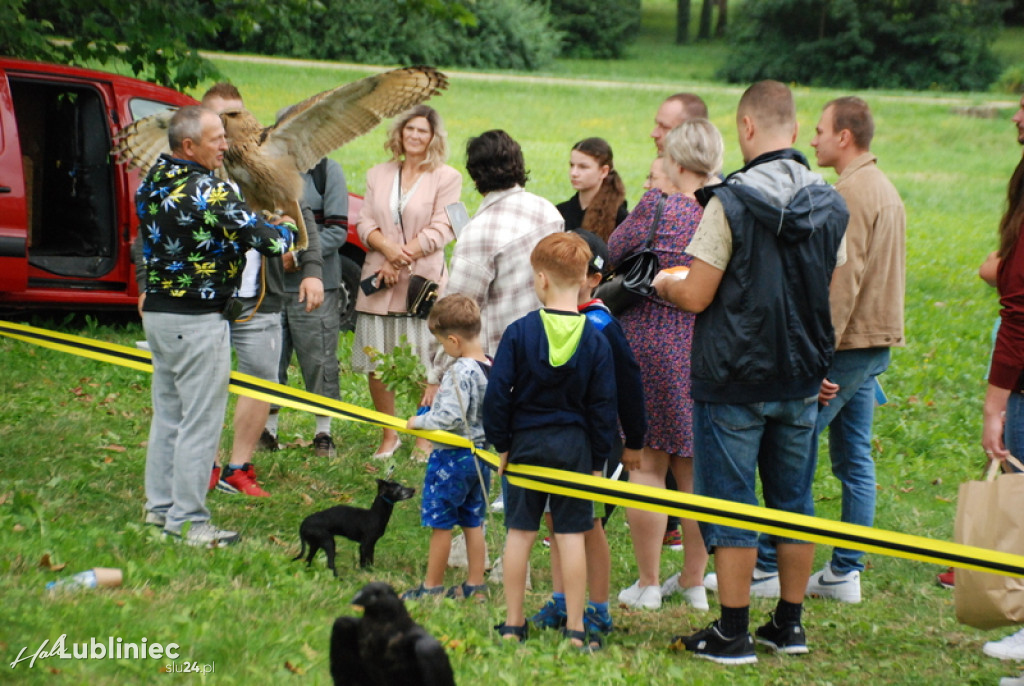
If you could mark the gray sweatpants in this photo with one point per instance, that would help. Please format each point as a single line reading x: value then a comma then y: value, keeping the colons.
x: 191, y: 369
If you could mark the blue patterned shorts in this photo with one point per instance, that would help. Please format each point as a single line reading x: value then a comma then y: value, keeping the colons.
x: 452, y: 492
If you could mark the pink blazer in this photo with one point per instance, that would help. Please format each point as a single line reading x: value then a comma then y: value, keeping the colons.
x: 424, y: 217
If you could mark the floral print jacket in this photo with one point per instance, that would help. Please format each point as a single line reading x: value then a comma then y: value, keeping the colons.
x: 195, y: 230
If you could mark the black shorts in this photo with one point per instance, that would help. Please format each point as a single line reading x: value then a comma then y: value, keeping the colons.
x: 558, y: 447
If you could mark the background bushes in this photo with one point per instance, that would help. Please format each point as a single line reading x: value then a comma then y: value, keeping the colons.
x: 596, y: 28
x: 917, y: 44
x: 506, y: 34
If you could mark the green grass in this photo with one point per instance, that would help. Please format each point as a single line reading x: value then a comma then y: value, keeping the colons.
x: 73, y: 432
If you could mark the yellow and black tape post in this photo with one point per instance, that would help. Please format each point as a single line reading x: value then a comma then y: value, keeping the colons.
x: 599, y: 489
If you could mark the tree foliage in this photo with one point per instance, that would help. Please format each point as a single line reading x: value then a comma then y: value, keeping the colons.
x: 160, y: 39
x: 598, y: 29
x: 919, y: 44
x: 157, y: 39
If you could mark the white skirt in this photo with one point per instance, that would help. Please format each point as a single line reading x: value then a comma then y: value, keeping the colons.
x: 384, y: 333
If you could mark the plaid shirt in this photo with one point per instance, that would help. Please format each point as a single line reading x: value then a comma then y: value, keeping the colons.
x: 491, y: 261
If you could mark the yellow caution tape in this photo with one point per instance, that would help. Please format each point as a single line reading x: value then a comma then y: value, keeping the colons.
x: 701, y: 508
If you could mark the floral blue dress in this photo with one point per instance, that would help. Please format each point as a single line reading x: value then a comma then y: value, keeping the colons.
x: 659, y: 333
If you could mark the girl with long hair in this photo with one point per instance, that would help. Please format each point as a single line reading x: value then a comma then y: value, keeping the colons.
x: 599, y: 204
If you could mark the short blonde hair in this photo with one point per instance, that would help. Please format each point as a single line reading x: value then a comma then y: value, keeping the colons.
x: 697, y: 145
x: 437, y: 149
x: 564, y: 257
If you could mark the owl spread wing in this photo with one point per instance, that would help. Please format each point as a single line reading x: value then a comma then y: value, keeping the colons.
x: 141, y: 143
x: 316, y: 126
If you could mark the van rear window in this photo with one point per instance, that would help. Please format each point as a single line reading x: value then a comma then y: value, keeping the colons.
x: 141, y: 107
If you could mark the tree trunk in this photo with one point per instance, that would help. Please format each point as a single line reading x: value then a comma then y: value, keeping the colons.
x: 723, y: 13
x: 704, y: 31
x: 682, y: 22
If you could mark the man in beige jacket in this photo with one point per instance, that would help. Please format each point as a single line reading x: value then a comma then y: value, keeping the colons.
x: 866, y: 297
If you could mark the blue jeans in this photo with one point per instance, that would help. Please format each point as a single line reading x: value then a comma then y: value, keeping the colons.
x: 733, y: 444
x: 1013, y: 432
x: 849, y: 418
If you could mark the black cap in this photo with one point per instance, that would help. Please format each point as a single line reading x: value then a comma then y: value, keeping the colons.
x: 598, y: 250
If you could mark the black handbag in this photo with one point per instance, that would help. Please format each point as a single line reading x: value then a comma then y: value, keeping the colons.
x: 421, y: 296
x: 631, y: 281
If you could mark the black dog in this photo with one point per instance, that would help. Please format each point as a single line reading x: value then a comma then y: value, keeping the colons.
x: 385, y: 647
x: 364, y: 527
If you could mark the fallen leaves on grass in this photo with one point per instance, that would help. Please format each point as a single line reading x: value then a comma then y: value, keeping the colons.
x: 46, y: 563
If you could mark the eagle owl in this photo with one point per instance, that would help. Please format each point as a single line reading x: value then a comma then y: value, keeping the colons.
x: 267, y: 162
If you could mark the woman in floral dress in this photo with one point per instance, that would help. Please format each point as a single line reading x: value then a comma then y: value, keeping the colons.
x: 660, y: 336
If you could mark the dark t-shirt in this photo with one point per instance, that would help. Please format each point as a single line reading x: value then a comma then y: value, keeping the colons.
x: 573, y: 214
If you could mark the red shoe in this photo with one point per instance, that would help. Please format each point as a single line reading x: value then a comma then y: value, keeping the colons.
x: 241, y: 480
x: 945, y: 579
x: 214, y: 478
x: 673, y: 539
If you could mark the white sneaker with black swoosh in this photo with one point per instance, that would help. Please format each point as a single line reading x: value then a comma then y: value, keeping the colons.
x: 828, y: 584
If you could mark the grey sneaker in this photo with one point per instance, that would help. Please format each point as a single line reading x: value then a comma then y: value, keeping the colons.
x: 155, y: 519
x: 205, y: 535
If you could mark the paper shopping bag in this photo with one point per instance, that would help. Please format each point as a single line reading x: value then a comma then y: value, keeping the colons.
x: 989, y: 514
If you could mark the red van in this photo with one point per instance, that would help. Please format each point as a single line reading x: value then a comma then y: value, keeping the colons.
x: 67, y: 212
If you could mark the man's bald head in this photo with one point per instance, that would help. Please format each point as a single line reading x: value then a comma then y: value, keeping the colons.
x: 674, y: 111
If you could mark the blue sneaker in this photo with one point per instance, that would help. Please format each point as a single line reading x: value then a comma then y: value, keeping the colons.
x: 596, y: 621
x: 549, y: 617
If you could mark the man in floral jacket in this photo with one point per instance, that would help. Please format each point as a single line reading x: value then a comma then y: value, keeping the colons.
x: 195, y: 230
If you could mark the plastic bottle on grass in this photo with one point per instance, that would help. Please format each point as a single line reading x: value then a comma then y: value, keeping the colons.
x: 97, y: 577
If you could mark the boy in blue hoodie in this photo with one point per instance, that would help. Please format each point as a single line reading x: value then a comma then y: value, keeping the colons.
x: 551, y: 402
x: 633, y: 422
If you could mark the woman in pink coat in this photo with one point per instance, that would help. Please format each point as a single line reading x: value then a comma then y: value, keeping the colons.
x: 404, y: 227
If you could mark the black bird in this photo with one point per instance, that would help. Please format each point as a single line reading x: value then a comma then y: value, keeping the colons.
x: 385, y: 647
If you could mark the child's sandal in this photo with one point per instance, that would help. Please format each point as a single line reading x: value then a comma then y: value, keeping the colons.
x: 589, y: 642
x: 520, y: 632
x: 421, y: 592
x: 466, y: 590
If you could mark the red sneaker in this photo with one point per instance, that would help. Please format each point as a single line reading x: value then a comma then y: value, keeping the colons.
x: 673, y: 539
x: 241, y: 480
x: 214, y: 478
x: 945, y: 579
